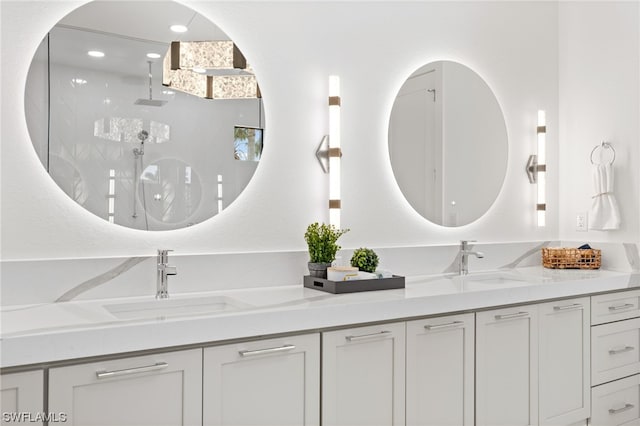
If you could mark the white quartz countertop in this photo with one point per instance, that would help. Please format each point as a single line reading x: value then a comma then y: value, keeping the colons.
x: 45, y: 333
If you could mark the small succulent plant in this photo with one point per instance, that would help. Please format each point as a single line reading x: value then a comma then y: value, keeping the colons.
x: 365, y: 259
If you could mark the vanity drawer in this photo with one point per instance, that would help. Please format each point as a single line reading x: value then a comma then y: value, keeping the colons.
x: 615, y: 307
x: 616, y: 403
x: 615, y: 351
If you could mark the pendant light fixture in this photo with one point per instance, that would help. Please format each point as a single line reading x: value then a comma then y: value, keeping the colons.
x: 209, y: 69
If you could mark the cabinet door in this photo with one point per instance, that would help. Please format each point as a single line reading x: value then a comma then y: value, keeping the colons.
x: 507, y: 367
x: 440, y: 371
x: 564, y: 368
x: 22, y: 398
x: 154, y: 390
x: 273, y: 382
x: 363, y: 374
x: 616, y: 403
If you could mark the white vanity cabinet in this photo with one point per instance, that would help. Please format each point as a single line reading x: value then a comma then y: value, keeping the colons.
x: 154, y: 390
x: 273, y: 382
x: 363, y: 376
x: 564, y: 361
x: 22, y: 397
x: 507, y: 366
x: 440, y: 371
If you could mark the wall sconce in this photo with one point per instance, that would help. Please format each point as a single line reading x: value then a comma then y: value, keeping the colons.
x: 537, y: 169
x: 329, y: 151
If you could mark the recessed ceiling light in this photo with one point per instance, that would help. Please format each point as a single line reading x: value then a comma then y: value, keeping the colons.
x: 153, y: 55
x: 95, y: 53
x: 199, y: 70
x: 178, y: 28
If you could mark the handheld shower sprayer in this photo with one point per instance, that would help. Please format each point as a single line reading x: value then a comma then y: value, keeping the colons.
x: 143, y: 135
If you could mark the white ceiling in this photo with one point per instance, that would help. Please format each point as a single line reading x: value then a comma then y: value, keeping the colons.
x: 126, y: 31
x: 148, y: 20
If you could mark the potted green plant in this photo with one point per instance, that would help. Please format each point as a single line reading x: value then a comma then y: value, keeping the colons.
x: 365, y: 259
x: 322, y: 242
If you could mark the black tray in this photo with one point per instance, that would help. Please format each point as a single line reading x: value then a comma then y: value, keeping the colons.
x: 353, y: 286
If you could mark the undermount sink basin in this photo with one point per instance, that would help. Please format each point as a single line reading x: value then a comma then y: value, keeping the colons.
x: 493, y: 278
x: 160, y: 308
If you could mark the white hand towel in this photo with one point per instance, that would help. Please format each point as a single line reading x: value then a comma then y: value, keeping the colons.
x: 604, y: 214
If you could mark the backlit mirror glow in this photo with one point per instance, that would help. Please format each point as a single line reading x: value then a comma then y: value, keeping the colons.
x: 448, y: 143
x: 118, y: 142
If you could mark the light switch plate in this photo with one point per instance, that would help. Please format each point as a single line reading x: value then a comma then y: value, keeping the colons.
x: 581, y: 221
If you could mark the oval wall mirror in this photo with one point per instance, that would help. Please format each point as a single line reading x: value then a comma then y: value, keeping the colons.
x: 448, y: 143
x: 145, y: 124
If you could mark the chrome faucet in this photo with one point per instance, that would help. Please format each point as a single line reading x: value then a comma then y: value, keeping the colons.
x: 464, y: 256
x: 164, y: 270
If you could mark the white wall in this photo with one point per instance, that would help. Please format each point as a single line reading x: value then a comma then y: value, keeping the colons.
x: 599, y: 100
x: 294, y: 46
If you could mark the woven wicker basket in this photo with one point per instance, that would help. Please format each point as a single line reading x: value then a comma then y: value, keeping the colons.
x: 570, y: 258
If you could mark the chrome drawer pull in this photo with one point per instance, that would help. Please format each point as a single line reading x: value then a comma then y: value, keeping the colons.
x: 619, y: 351
x: 568, y: 307
x: 267, y: 350
x: 382, y: 333
x: 621, y: 307
x: 135, y: 370
x: 441, y: 326
x: 620, y: 410
x: 513, y: 315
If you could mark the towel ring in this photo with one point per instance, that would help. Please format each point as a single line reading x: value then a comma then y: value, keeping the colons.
x: 603, y: 145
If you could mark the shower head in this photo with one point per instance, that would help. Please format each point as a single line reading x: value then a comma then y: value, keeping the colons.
x: 150, y: 101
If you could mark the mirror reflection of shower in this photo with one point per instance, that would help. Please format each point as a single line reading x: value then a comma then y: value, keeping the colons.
x: 126, y: 148
x: 138, y: 154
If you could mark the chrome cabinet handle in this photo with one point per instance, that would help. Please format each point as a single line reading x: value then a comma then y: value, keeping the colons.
x: 513, y: 315
x: 620, y: 410
x: 368, y: 336
x: 446, y: 325
x: 621, y: 307
x: 127, y: 371
x: 568, y: 307
x: 267, y: 350
x: 619, y: 351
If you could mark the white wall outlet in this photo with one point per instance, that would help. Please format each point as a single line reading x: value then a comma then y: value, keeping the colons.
x: 581, y: 221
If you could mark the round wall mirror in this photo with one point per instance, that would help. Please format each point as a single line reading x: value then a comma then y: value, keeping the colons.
x: 145, y: 113
x: 448, y: 143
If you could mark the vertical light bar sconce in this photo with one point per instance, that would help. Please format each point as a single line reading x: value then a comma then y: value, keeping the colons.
x: 329, y: 151
x: 220, y: 206
x: 111, y: 208
x: 334, y: 151
x: 537, y: 169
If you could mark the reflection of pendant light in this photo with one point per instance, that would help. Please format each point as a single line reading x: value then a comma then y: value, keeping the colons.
x: 208, y: 55
x: 120, y: 129
x: 223, y: 72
